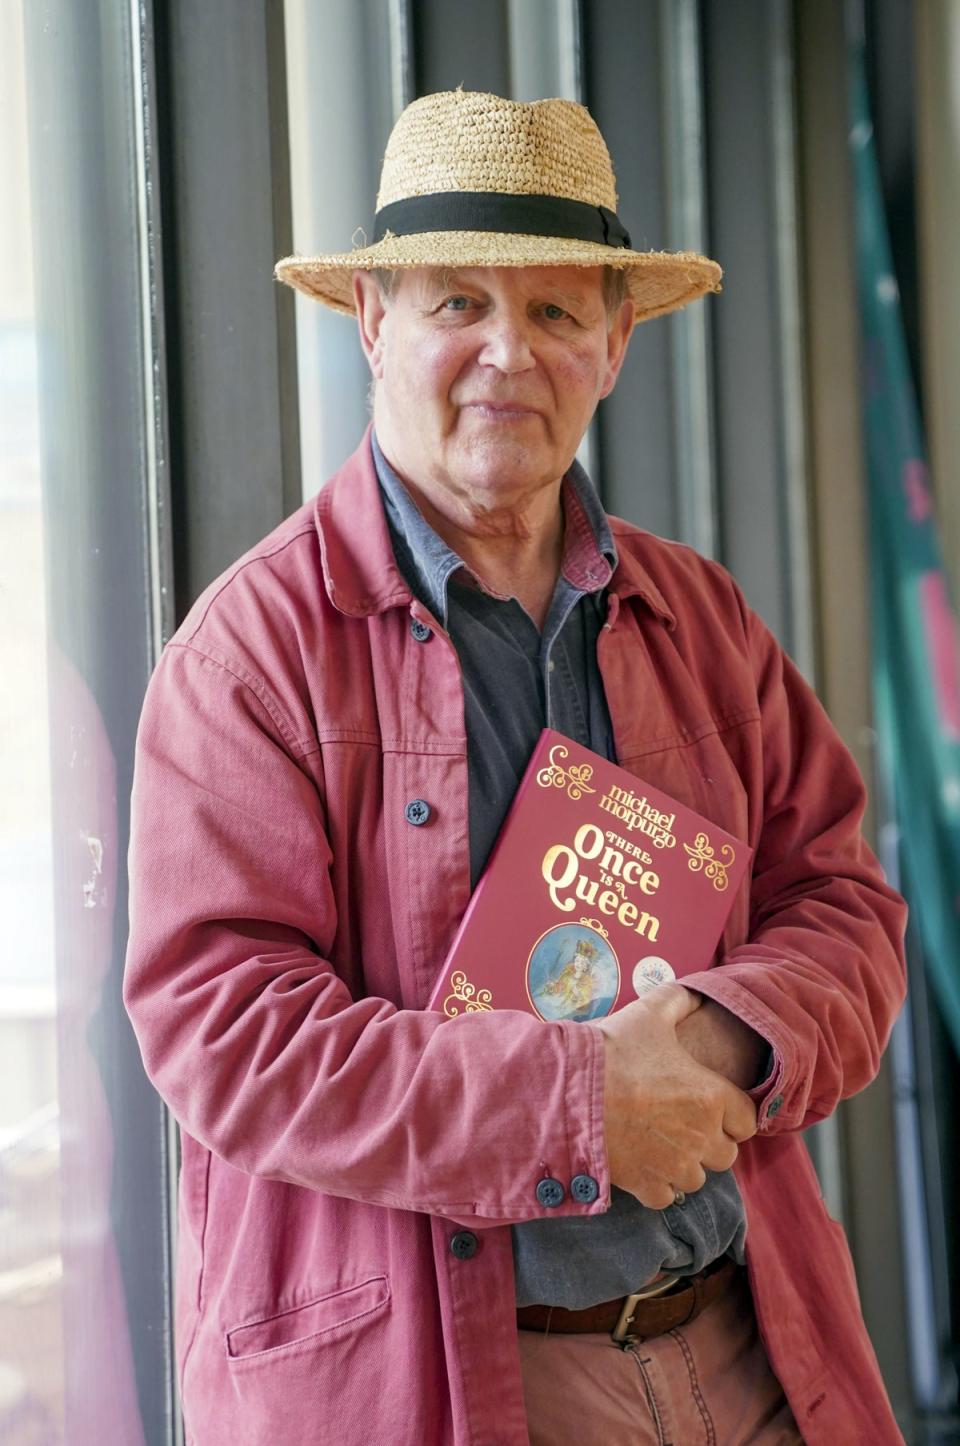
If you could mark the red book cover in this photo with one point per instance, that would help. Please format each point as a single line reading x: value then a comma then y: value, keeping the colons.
x: 598, y: 888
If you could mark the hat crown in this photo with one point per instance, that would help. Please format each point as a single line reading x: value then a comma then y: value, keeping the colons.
x: 460, y: 140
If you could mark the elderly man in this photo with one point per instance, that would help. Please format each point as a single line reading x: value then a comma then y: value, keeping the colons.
x: 493, y: 1229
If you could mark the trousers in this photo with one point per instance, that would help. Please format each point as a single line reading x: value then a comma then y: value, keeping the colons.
x: 704, y: 1384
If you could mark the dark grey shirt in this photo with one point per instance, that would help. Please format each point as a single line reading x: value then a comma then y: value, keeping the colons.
x: 517, y: 681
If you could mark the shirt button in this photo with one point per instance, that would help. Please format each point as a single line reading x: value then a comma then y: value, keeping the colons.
x: 550, y: 1193
x: 417, y: 812
x: 584, y: 1188
x: 773, y: 1108
x: 464, y: 1244
x: 420, y: 631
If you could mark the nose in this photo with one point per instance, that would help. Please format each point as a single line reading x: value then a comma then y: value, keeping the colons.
x: 507, y: 342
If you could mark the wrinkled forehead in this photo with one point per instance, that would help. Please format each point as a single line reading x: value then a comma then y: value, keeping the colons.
x: 573, y: 285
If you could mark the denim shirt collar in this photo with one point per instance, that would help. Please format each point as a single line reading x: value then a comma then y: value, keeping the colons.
x: 428, y: 563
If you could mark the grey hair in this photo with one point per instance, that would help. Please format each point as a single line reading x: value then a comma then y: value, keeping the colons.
x: 386, y: 281
x: 615, y: 289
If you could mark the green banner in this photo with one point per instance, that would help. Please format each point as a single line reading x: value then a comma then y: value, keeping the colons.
x: 916, y: 642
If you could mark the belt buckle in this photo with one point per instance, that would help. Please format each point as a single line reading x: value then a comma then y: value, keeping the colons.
x: 621, y: 1332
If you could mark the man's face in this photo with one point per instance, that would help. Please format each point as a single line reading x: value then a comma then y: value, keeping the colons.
x: 487, y: 377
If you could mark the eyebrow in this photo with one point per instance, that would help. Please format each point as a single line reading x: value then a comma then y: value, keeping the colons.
x: 441, y: 279
x: 445, y: 279
x: 569, y: 298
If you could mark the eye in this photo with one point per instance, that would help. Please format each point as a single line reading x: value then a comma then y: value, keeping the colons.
x: 555, y: 313
x: 456, y: 303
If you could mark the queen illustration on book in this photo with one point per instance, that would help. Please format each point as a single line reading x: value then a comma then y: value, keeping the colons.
x: 573, y: 973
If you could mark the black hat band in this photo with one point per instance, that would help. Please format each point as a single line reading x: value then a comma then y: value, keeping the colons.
x: 505, y: 212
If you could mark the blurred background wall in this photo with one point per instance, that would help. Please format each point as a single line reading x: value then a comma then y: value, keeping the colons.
x: 163, y: 403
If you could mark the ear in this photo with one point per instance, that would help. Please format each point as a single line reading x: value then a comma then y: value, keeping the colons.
x: 618, y: 338
x: 371, y: 311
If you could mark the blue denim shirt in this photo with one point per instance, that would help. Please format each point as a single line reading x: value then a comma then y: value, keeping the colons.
x: 518, y: 680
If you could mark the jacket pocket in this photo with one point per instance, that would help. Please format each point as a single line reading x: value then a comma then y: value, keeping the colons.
x: 301, y: 1325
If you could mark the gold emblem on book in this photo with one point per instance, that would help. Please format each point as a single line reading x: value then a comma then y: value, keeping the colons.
x: 574, y: 779
x: 465, y: 997
x: 596, y: 925
x: 703, y: 856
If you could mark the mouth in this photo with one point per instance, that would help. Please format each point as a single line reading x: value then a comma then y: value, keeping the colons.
x: 501, y: 412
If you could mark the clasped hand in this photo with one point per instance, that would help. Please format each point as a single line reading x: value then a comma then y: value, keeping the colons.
x: 667, y: 1118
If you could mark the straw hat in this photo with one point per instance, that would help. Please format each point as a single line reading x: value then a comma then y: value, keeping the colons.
x: 471, y: 179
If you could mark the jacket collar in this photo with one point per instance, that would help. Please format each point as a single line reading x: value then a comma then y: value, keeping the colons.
x: 361, y: 573
x: 359, y: 568
x: 631, y: 578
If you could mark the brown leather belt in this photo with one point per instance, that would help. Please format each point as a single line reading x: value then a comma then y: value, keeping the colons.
x: 638, y: 1316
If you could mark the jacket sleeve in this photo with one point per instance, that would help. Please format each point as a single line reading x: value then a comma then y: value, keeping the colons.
x: 255, y: 1042
x: 821, y: 976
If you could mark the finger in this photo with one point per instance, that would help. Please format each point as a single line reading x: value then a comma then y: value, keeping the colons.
x: 721, y: 1154
x: 651, y: 1191
x: 689, y: 1178
x: 739, y: 1115
x: 673, y: 1002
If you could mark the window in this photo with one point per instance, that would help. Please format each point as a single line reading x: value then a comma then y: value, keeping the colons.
x: 82, y: 1241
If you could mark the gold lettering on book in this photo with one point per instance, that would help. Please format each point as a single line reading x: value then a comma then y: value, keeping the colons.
x: 639, y: 813
x: 574, y: 779
x: 561, y: 871
x: 467, y: 995
x: 629, y: 848
x: 703, y: 856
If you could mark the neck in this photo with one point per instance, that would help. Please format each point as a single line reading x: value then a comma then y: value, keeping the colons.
x: 516, y: 556
x: 515, y: 549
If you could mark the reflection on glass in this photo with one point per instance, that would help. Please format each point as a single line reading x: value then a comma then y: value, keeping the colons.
x: 73, y: 657
x: 31, y: 1267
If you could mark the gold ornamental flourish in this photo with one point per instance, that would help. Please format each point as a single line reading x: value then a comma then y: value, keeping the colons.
x: 703, y: 856
x: 574, y: 779
x: 467, y: 995
x: 596, y: 925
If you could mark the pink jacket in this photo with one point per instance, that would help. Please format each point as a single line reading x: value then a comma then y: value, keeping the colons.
x: 350, y: 1161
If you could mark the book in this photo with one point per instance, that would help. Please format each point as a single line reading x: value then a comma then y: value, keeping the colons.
x: 598, y: 888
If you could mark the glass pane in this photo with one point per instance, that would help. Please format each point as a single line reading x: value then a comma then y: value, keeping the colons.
x: 340, y: 86
x: 82, y: 1212
x: 544, y: 49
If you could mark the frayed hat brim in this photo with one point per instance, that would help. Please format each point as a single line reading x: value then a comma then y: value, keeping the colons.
x: 658, y: 281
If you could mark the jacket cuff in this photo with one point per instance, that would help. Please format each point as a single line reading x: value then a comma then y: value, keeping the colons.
x: 781, y: 1096
x: 587, y: 1186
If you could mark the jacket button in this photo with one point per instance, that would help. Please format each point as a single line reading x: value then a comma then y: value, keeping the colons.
x: 417, y: 812
x: 550, y: 1193
x: 584, y: 1188
x: 420, y: 631
x: 773, y: 1108
x: 464, y: 1244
